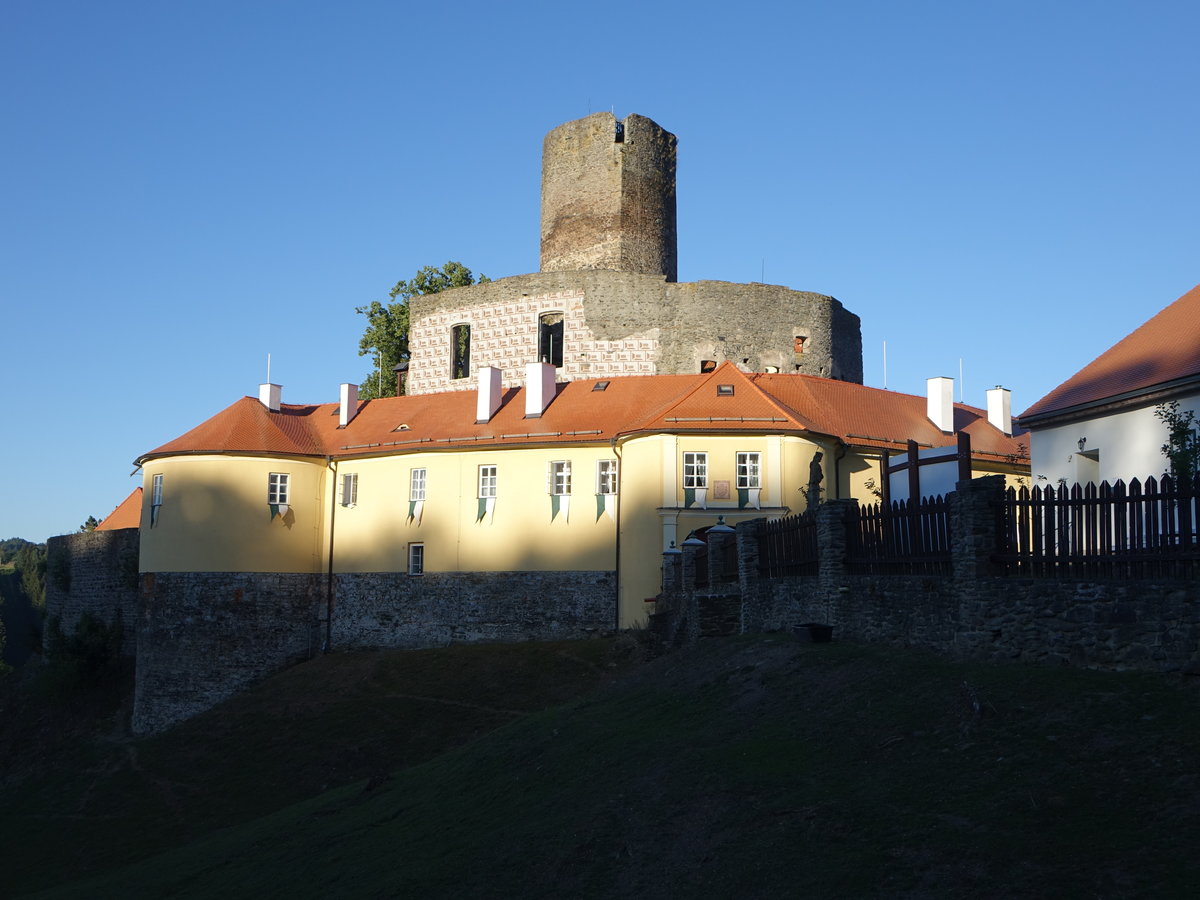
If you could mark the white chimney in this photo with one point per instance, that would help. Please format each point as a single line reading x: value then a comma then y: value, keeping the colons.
x: 269, y: 396
x: 347, y: 404
x: 539, y: 388
x: 488, y: 398
x: 940, y: 408
x: 999, y: 407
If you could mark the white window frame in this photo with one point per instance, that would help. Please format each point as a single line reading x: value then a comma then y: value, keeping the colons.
x: 695, y: 469
x: 749, y: 469
x: 416, y: 483
x: 558, y: 477
x: 348, y: 488
x: 416, y: 558
x: 277, y: 488
x: 608, y: 473
x: 489, y: 478
x: 156, y: 490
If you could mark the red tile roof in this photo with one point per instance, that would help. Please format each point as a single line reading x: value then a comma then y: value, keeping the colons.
x: 1164, y: 350
x: 579, y: 413
x: 128, y: 513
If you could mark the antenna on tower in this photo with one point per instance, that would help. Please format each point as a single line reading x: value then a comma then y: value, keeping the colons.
x: 268, y: 368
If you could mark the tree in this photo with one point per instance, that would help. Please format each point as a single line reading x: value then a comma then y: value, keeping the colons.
x: 1182, y: 448
x: 386, y: 335
x: 90, y: 524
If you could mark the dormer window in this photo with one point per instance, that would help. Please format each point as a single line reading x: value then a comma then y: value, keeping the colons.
x: 724, y: 390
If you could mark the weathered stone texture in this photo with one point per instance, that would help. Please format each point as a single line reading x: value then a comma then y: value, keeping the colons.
x: 608, y: 197
x: 621, y: 323
x: 204, y: 636
x: 973, y: 612
x: 95, y: 572
x: 393, y: 610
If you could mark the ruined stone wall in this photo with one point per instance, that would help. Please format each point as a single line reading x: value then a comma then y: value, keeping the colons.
x: 608, y: 197
x: 94, y: 572
x: 618, y: 323
x: 393, y: 610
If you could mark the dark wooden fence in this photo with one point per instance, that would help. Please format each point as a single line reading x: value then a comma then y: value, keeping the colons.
x: 788, y: 546
x: 1139, y: 530
x: 907, y: 537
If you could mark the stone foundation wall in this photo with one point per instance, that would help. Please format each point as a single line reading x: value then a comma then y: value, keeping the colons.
x: 394, y: 610
x: 204, y: 636
x: 94, y: 572
x: 972, y: 612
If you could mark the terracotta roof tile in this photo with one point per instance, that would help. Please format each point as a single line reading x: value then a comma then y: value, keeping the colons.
x: 128, y: 513
x: 581, y: 414
x: 1164, y: 349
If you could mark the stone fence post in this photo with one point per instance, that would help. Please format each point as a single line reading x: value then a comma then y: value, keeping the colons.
x: 975, y: 525
x: 831, y: 543
x: 747, y: 535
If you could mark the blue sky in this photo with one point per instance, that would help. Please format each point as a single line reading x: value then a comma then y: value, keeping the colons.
x: 190, y: 186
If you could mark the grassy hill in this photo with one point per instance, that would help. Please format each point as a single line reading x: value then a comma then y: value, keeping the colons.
x: 745, y: 767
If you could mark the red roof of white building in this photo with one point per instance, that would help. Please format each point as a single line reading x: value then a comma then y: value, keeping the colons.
x: 1159, y: 354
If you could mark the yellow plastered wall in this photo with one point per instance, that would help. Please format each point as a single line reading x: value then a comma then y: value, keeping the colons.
x: 521, y: 531
x: 653, y: 510
x: 215, y: 517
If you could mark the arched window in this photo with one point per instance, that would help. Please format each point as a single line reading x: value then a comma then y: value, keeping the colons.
x: 550, y: 338
x: 460, y: 351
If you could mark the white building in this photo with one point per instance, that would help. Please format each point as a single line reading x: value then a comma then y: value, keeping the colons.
x: 1100, y: 424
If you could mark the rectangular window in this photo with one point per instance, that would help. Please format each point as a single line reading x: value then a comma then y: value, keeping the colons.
x: 460, y: 363
x: 416, y: 484
x: 487, y: 481
x: 695, y: 470
x: 749, y: 468
x: 156, y: 491
x: 559, y: 477
x: 277, y: 488
x: 606, y: 476
x: 349, y: 489
x: 416, y: 559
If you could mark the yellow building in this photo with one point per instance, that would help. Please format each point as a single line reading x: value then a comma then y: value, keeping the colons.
x: 588, y: 480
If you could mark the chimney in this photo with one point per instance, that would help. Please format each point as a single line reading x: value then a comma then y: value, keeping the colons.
x: 268, y: 396
x: 539, y: 388
x: 999, y: 408
x: 940, y: 408
x: 488, y: 400
x: 347, y: 404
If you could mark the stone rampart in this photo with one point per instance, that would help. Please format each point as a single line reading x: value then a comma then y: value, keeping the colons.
x: 94, y: 572
x: 973, y: 612
x: 435, y: 609
x: 204, y: 636
x: 620, y: 323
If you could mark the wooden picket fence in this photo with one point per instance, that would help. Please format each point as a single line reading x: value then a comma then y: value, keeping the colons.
x: 1140, y: 530
x: 907, y: 537
x: 788, y: 546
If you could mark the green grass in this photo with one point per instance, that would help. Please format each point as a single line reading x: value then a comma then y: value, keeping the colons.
x: 746, y: 767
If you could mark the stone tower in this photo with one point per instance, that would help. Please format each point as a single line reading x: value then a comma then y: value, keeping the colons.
x: 608, y: 197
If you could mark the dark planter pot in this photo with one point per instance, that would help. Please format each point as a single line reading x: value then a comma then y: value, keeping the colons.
x: 814, y: 632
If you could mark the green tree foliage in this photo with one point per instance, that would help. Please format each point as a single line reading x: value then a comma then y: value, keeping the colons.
x: 1182, y: 448
x: 30, y: 562
x: 10, y: 547
x: 90, y: 524
x: 386, y: 336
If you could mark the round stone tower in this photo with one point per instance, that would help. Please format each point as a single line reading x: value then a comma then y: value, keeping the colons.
x: 608, y: 197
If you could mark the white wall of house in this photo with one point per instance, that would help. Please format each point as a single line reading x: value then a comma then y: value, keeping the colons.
x: 1123, y: 445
